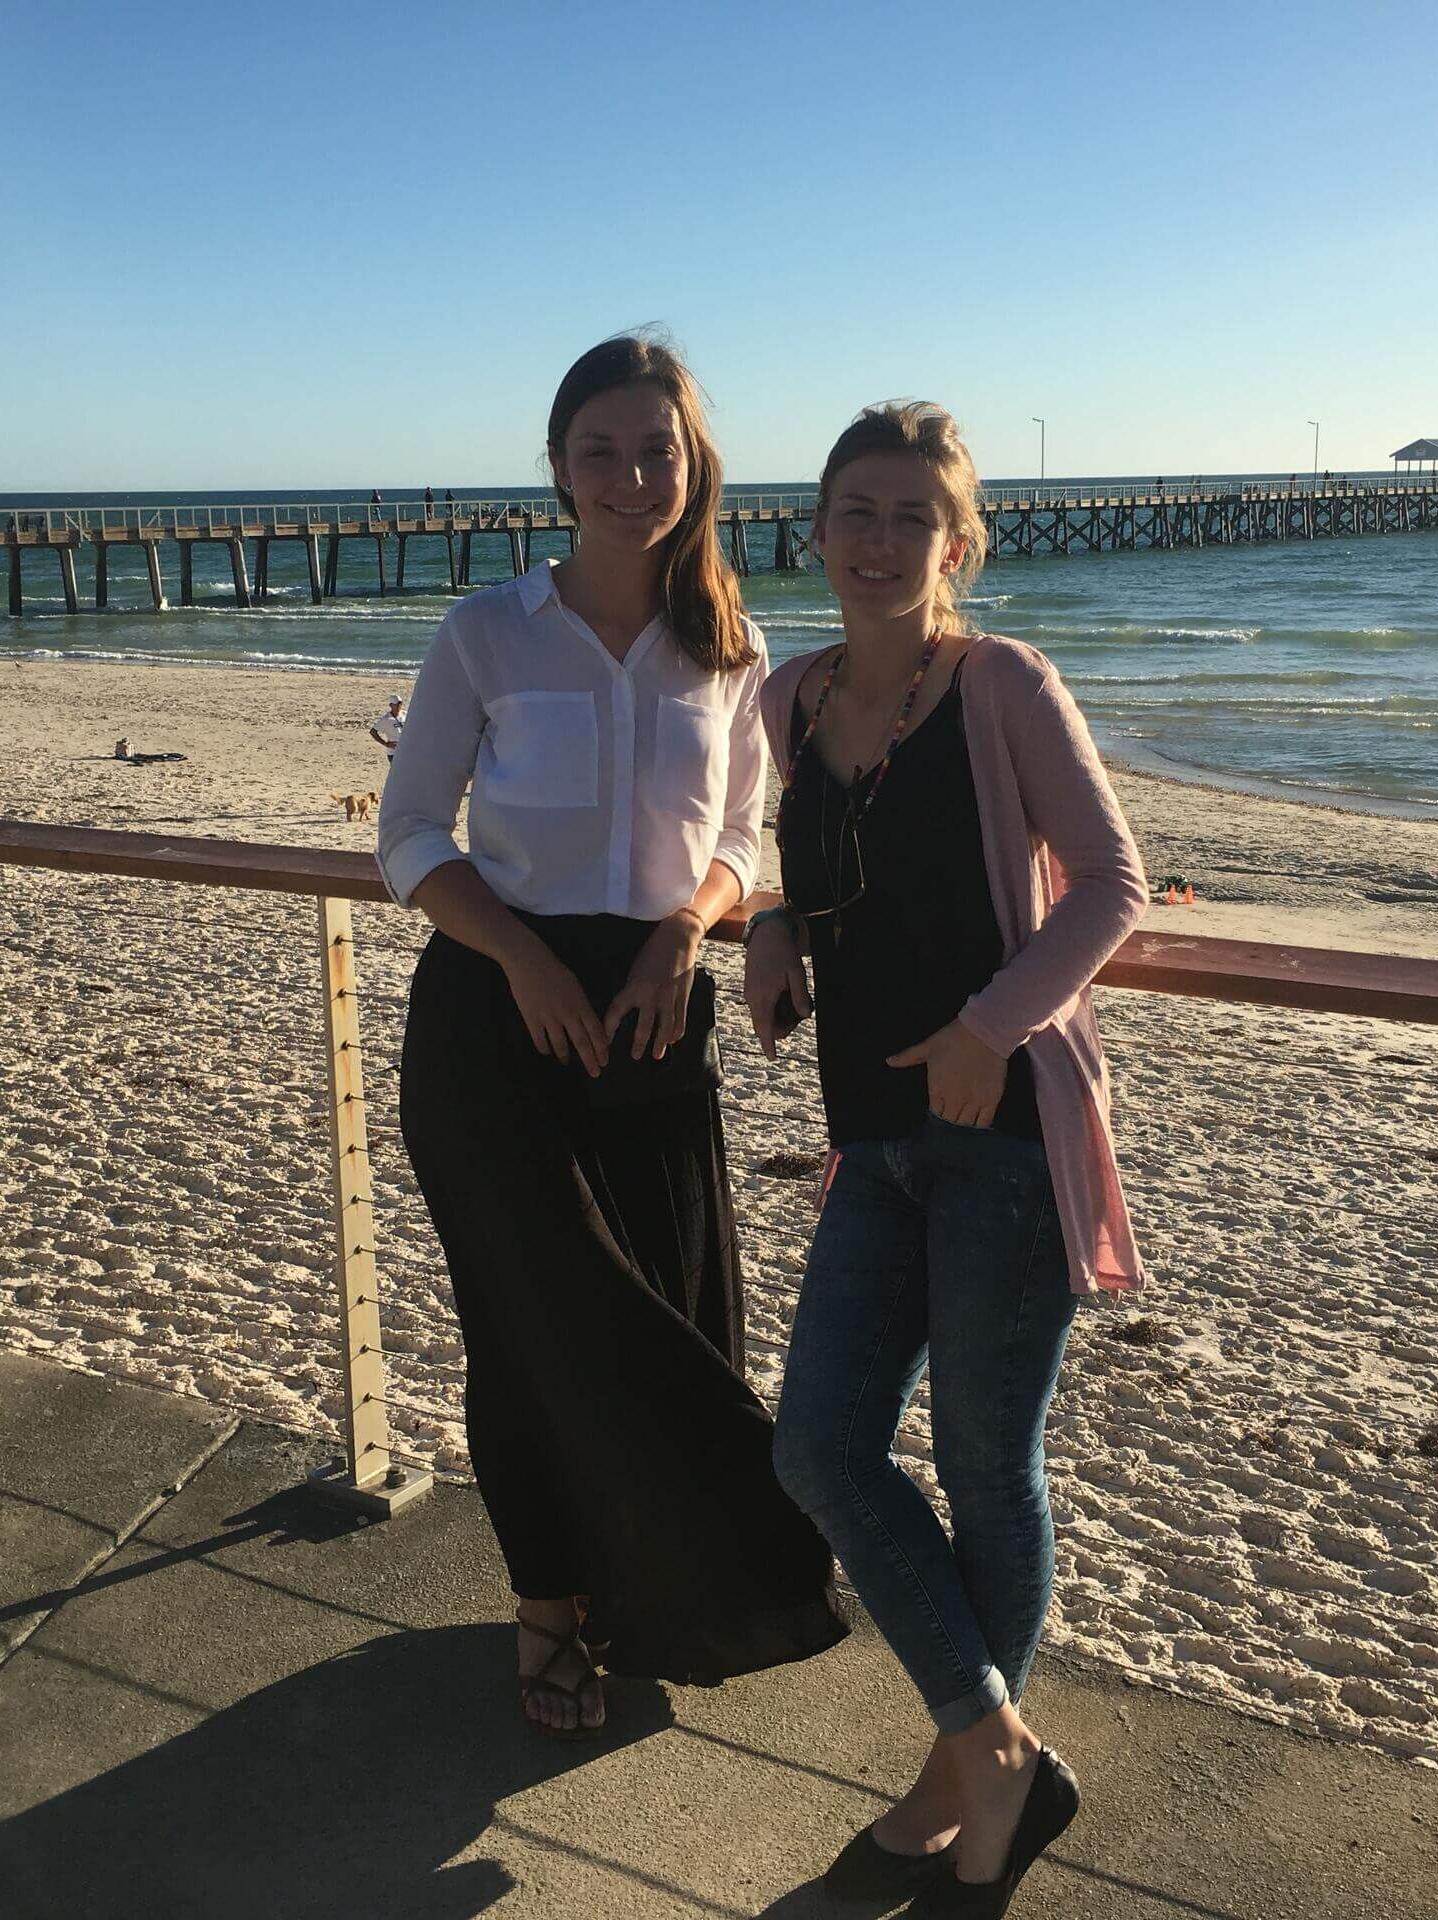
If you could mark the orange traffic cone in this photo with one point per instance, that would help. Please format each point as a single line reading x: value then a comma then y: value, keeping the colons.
x: 1170, y: 898
x: 1188, y: 895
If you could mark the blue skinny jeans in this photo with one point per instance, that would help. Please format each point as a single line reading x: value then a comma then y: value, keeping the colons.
x: 941, y: 1249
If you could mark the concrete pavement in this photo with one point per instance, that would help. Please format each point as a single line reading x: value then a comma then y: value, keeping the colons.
x: 221, y: 1698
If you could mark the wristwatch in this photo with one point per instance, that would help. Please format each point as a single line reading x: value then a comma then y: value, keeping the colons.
x: 756, y: 920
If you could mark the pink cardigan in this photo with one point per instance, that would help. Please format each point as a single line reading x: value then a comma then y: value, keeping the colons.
x: 1068, y: 887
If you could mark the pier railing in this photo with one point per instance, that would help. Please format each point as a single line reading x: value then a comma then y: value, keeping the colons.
x: 1381, y: 986
x: 288, y: 517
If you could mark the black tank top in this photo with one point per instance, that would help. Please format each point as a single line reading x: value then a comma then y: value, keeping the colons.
x: 918, y: 943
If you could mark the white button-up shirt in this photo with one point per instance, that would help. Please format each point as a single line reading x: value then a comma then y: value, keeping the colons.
x: 599, y: 785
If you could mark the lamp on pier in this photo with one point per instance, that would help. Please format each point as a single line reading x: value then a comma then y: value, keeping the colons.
x: 1038, y: 422
x: 1314, y: 425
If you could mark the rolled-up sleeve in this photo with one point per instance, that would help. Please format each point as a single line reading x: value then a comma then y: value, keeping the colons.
x: 432, y: 764
x: 738, y: 842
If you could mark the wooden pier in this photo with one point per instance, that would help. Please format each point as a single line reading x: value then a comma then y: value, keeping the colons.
x: 1021, y: 524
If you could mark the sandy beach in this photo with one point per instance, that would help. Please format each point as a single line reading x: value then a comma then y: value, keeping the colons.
x: 1244, y: 1461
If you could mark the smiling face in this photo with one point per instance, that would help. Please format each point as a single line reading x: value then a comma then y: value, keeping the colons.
x: 886, y: 535
x: 624, y: 464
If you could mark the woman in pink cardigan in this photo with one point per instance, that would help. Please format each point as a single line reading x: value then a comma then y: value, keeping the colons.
x: 957, y: 870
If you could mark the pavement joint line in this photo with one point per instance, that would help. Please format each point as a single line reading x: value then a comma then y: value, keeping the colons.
x: 1160, y: 1894
x: 170, y: 1556
x: 780, y: 1760
x: 548, y: 1844
x: 122, y: 1536
x: 197, y: 1707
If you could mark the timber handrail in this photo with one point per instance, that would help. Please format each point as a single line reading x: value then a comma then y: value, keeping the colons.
x: 1319, y: 979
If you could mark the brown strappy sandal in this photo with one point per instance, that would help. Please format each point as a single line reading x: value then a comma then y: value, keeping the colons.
x: 563, y: 1643
x: 597, y: 1648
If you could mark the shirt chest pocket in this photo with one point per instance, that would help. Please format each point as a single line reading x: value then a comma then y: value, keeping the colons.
x: 691, y: 759
x: 542, y: 750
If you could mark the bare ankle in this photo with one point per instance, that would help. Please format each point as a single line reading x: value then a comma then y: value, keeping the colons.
x: 563, y: 1608
x: 996, y: 1747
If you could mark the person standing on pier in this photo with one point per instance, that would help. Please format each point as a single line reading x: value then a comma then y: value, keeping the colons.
x: 428, y: 502
x: 957, y: 868
x: 559, y: 1083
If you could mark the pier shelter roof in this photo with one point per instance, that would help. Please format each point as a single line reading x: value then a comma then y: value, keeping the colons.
x: 1417, y: 450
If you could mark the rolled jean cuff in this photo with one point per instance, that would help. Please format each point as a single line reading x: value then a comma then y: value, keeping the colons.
x: 957, y: 1716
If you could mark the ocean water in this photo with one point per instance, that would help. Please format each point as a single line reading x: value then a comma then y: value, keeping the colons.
x: 1307, y: 669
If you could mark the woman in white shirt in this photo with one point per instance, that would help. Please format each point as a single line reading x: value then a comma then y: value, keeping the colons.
x: 558, y: 1094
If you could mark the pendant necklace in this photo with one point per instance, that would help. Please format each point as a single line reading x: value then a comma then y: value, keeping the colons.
x: 857, y: 812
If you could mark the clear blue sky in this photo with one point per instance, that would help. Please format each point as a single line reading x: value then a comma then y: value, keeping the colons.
x: 327, y: 246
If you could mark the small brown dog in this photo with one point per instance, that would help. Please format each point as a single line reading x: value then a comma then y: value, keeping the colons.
x: 356, y: 805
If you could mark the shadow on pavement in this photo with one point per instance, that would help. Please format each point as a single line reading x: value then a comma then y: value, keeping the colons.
x: 340, y: 1791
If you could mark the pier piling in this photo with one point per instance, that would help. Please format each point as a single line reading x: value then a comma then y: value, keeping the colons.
x: 399, y: 565
x: 379, y: 562
x: 102, y: 576
x: 449, y: 547
x: 738, y: 545
x: 16, y: 603
x: 464, y: 556
x: 312, y: 555
x: 67, y: 578
x: 152, y: 565
x: 332, y: 566
x: 187, y: 573
x: 237, y: 569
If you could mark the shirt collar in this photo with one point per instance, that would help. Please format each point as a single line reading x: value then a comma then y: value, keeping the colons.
x: 537, y: 586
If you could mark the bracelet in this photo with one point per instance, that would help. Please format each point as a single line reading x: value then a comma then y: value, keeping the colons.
x: 756, y: 920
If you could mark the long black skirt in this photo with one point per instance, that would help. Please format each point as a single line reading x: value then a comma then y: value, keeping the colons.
x: 596, y: 1273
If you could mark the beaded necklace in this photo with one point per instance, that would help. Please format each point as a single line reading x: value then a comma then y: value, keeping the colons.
x: 931, y: 647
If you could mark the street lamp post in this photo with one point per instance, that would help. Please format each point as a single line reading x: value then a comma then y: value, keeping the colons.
x: 1314, y: 425
x: 1038, y: 422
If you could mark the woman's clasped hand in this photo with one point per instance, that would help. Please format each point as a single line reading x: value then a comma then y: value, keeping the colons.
x: 561, y: 1021
x: 556, y: 1009
x: 660, y: 980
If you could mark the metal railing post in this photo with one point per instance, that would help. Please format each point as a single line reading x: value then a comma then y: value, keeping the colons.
x: 369, y: 1478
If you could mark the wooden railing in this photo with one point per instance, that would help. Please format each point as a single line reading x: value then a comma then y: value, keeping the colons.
x: 1382, y: 986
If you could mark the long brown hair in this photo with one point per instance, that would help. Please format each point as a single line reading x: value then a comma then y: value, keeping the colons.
x: 924, y: 428
x: 700, y: 593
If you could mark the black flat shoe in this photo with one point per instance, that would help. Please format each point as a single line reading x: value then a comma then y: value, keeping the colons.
x: 867, y: 1872
x: 1050, y: 1806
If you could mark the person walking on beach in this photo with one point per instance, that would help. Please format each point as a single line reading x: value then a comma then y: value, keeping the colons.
x: 559, y: 1081
x: 957, y: 869
x: 390, y: 725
